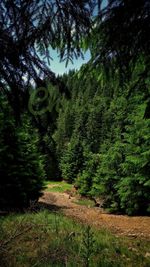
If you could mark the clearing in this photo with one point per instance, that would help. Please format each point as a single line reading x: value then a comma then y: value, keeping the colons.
x: 57, y: 196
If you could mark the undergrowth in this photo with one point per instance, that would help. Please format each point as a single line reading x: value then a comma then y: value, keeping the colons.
x: 46, y: 239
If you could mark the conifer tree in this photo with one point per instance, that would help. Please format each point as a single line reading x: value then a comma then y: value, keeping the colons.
x: 21, y: 164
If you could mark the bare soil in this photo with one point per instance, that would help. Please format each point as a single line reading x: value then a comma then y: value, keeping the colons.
x: 138, y: 226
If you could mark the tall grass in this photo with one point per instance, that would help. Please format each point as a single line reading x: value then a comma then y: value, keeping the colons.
x: 46, y: 239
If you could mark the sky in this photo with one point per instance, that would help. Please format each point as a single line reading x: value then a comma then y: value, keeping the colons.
x: 59, y: 67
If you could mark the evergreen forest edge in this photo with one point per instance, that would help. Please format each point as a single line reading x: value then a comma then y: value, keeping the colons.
x: 98, y: 138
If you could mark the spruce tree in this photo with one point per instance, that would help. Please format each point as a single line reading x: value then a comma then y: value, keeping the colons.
x: 21, y: 164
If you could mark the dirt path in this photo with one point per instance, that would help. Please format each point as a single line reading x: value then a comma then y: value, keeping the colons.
x: 118, y: 224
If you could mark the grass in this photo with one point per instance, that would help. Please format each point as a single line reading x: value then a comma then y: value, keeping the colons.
x: 85, y: 202
x: 46, y: 239
x: 60, y: 187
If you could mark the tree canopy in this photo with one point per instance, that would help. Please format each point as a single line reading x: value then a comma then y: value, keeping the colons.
x: 121, y: 34
x: 28, y: 29
x: 106, y: 122
x: 99, y: 138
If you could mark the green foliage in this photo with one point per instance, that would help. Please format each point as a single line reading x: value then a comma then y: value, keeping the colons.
x: 121, y: 37
x: 134, y: 188
x: 29, y: 29
x: 87, y: 248
x: 112, y: 123
x: 107, y: 176
x: 84, y: 180
x: 72, y: 161
x: 46, y: 239
x: 101, y: 136
x: 21, y: 163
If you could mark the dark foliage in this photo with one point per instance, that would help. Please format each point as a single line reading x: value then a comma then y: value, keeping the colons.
x: 122, y: 30
x: 27, y: 30
x: 21, y: 164
x: 100, y: 137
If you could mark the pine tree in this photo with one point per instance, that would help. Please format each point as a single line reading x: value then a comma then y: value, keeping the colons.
x: 21, y: 164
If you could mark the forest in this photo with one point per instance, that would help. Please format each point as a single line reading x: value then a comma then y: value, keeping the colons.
x: 89, y: 127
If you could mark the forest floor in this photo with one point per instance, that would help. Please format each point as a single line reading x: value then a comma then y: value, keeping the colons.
x: 138, y: 226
